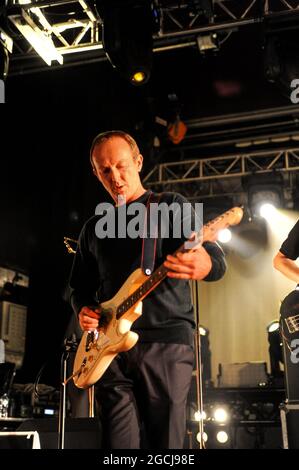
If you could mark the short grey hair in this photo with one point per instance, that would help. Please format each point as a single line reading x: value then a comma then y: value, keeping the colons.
x: 104, y: 136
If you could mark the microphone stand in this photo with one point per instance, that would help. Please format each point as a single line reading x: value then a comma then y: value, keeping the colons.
x: 198, y: 363
x: 70, y: 345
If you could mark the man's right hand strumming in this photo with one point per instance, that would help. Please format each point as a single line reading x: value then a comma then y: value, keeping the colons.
x: 88, y: 318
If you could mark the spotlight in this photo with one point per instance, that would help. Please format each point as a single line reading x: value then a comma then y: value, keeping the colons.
x: 127, y: 37
x: 221, y: 414
x: 267, y: 211
x: 264, y: 190
x: 198, y: 437
x: 139, y: 77
x: 273, y: 326
x: 177, y: 131
x: 207, y: 42
x: 225, y: 235
x: 222, y: 437
x: 198, y: 415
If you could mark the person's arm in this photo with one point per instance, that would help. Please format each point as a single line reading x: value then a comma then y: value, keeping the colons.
x: 286, y: 266
x: 206, y: 263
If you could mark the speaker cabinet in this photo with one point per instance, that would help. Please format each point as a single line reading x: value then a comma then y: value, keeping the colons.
x: 289, y: 414
x: 80, y: 433
x: 19, y: 440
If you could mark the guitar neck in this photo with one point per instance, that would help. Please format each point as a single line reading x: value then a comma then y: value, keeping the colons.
x: 143, y: 290
x: 208, y: 233
x: 146, y: 287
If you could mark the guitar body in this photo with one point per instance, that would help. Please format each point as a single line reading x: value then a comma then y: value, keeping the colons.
x: 97, y: 349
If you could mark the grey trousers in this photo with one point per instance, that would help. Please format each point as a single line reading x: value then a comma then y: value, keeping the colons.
x: 142, y: 397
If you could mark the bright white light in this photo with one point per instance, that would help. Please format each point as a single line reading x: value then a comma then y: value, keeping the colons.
x: 198, y: 436
x: 222, y: 437
x: 198, y: 415
x: 267, y: 211
x: 273, y: 326
x: 225, y: 235
x: 202, y: 331
x: 42, y: 43
x: 221, y: 415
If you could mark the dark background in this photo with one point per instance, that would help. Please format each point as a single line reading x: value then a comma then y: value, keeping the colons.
x: 47, y: 186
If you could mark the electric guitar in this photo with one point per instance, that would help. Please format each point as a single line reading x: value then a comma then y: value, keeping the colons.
x: 98, y: 348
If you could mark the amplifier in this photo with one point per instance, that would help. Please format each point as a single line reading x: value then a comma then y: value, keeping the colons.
x: 13, y: 331
x: 19, y: 440
x: 80, y: 433
x: 243, y: 374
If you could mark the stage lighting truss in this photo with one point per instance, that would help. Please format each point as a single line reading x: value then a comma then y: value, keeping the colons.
x: 176, y: 25
x: 222, y: 176
x: 79, y: 32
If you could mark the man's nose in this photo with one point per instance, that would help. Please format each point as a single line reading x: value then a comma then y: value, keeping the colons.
x: 115, y: 175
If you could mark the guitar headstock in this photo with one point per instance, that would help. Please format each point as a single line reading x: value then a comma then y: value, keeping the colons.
x: 231, y: 217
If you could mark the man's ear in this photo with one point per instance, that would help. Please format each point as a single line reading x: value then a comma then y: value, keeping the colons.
x: 139, y: 162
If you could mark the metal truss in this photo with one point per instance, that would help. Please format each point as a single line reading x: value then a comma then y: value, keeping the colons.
x: 79, y: 28
x: 186, y: 17
x: 78, y: 32
x: 219, y: 176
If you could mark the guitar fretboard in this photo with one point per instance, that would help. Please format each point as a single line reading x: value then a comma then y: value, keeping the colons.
x: 142, y: 290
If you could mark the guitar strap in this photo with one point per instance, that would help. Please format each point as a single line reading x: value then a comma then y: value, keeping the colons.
x: 149, y: 243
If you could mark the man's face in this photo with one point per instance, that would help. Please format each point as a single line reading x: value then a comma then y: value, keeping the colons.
x: 117, y: 170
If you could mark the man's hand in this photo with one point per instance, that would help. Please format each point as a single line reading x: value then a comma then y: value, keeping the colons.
x: 89, y: 319
x: 195, y: 264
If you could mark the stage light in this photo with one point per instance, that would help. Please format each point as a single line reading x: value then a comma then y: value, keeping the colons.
x: 198, y: 416
x: 176, y: 131
x: 264, y: 190
x: 273, y: 326
x: 264, y: 201
x: 267, y: 211
x: 225, y: 235
x: 275, y: 348
x: 127, y: 37
x: 139, y: 77
x: 222, y: 437
x: 198, y: 437
x: 221, y: 414
x: 207, y: 42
